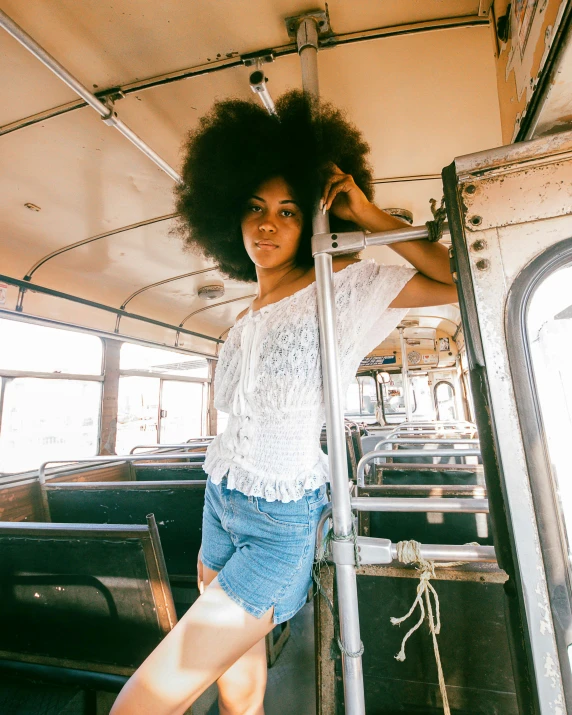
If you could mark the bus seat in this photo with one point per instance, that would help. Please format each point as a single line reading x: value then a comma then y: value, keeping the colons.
x: 80, y: 604
x: 177, y: 506
x: 427, y: 528
x: 178, y: 472
x: 473, y: 644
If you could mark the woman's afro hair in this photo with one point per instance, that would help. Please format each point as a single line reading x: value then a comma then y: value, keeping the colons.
x: 237, y: 147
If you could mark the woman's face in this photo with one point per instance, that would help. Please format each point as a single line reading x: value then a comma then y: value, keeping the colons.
x: 272, y: 225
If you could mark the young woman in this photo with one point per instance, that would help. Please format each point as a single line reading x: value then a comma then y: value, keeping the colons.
x: 250, y: 184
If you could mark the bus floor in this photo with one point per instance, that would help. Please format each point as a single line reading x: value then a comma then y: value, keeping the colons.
x: 290, y: 680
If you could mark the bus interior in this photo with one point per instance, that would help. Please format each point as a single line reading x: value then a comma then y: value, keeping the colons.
x: 456, y: 427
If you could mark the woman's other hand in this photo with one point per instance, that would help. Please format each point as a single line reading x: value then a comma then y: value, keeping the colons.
x: 343, y: 197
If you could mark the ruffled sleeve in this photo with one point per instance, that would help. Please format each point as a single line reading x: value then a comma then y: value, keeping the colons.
x: 364, y: 292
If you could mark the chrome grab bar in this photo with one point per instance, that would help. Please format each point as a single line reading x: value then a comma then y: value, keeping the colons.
x: 382, y: 551
x: 187, y: 445
x: 412, y: 453
x: 428, y: 440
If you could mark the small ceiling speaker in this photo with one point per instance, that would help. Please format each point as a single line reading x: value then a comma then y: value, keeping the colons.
x: 211, y: 291
x: 404, y: 214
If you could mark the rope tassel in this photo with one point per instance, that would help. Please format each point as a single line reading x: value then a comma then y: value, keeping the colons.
x: 409, y: 552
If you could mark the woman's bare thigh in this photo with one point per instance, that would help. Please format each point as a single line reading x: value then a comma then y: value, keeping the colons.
x: 213, y: 634
x: 242, y: 686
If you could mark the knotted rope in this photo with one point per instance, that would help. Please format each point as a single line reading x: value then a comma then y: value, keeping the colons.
x: 321, y: 561
x: 409, y: 552
x: 435, y: 227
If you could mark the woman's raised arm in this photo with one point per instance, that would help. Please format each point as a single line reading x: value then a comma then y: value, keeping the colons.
x: 434, y: 283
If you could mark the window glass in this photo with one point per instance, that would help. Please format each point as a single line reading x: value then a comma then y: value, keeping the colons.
x: 36, y: 348
x: 423, y: 408
x: 361, y: 399
x: 47, y: 419
x: 137, y: 412
x: 165, y: 362
x: 445, y: 401
x: 549, y: 326
x: 181, y: 411
x: 394, y: 399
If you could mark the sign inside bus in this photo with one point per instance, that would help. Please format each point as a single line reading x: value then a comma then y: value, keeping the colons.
x: 378, y: 360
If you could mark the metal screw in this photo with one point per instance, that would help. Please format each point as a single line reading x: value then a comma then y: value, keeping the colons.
x: 334, y: 236
x: 479, y: 245
x: 476, y: 220
x: 334, y: 245
x: 483, y: 264
x: 470, y: 189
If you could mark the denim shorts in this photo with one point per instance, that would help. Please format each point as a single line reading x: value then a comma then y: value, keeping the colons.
x: 263, y: 551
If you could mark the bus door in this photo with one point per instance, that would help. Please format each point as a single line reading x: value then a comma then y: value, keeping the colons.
x: 510, y: 214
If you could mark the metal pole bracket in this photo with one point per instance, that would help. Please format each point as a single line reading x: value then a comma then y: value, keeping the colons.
x: 370, y: 551
x: 319, y: 17
x: 338, y: 243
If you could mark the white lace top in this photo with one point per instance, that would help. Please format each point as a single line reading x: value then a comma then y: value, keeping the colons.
x: 269, y: 380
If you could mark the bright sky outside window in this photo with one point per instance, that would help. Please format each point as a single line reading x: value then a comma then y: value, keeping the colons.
x: 166, y: 362
x: 36, y: 348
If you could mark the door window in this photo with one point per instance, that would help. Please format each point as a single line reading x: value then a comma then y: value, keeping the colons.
x: 137, y: 412
x: 445, y: 401
x: 181, y: 411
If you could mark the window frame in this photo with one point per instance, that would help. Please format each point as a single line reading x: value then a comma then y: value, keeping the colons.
x: 551, y: 529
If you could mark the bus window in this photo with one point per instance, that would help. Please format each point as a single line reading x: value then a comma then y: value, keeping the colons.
x: 549, y: 326
x: 137, y: 412
x: 51, y: 394
x: 361, y: 399
x: 181, y: 411
x: 162, y: 397
x: 445, y: 401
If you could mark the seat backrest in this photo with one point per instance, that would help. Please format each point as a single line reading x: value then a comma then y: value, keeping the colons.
x: 89, y: 597
x: 177, y: 506
x: 473, y: 644
x: 427, y: 528
x: 165, y: 472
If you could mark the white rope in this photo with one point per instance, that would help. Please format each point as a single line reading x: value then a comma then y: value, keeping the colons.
x: 409, y: 552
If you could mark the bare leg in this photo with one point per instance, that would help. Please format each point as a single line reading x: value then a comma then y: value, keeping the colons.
x: 242, y: 687
x: 213, y: 634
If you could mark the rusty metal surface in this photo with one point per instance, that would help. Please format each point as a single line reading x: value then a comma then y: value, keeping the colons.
x: 537, y: 190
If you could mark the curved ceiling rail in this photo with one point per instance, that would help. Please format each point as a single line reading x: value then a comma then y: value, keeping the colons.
x: 85, y: 241
x: 106, y: 112
x: 34, y: 288
x: 159, y: 283
x: 236, y: 61
x: 208, y: 307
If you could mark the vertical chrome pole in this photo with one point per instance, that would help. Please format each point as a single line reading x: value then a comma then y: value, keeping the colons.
x: 307, y: 38
x: 405, y: 375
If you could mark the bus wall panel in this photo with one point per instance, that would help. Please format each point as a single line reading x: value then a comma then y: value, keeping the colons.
x: 521, y: 58
x: 21, y: 502
x: 111, y: 473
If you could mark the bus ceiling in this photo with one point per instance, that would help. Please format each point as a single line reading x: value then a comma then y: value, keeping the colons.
x: 88, y: 205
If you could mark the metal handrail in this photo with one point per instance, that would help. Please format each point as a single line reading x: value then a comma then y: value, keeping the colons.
x: 458, y: 505
x: 186, y: 445
x: 105, y: 112
x: 388, y: 551
x: 112, y: 459
x: 428, y: 440
x: 413, y: 453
